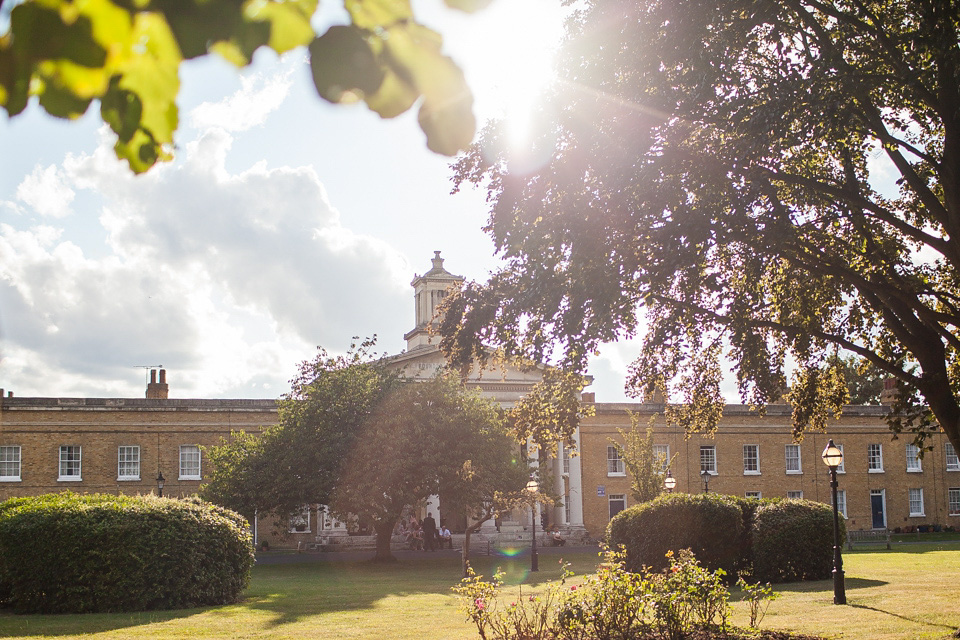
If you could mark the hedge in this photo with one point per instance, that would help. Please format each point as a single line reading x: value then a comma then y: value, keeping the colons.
x: 711, y: 525
x: 793, y: 540
x: 65, y: 552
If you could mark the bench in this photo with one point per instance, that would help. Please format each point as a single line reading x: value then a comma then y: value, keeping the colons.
x: 873, y: 535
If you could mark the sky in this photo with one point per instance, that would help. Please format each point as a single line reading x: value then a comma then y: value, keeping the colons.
x: 283, y: 224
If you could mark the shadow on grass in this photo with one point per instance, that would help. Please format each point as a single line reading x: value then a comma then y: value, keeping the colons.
x: 13, y: 625
x: 826, y: 586
x: 920, y: 621
x: 289, y: 591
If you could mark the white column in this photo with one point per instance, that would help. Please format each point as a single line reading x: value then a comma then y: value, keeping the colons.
x: 576, y: 485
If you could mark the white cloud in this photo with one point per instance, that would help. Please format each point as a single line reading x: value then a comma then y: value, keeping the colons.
x: 257, y: 98
x: 46, y: 191
x: 227, y: 278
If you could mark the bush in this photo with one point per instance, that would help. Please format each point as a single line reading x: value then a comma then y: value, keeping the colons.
x: 793, y: 540
x: 711, y: 525
x: 64, y: 553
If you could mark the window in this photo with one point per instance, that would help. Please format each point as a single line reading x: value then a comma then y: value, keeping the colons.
x: 792, y: 457
x: 661, y: 454
x: 69, y: 463
x: 300, y: 522
x: 10, y: 463
x: 566, y: 509
x: 753, y: 494
x: 916, y: 502
x: 708, y: 459
x: 618, y: 502
x: 953, y: 463
x: 128, y: 463
x: 953, y: 501
x: 751, y: 459
x: 566, y: 460
x: 841, y: 468
x: 794, y: 495
x: 874, y: 458
x: 913, y: 459
x: 614, y: 462
x: 189, y: 462
x: 842, y: 502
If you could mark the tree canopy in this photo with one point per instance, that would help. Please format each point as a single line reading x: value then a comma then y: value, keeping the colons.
x: 719, y: 185
x: 127, y: 54
x: 356, y: 436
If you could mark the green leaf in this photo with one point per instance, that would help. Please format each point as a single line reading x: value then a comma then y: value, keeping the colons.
x: 468, y: 5
x: 62, y: 103
x: 394, y: 97
x: 343, y: 64
x: 289, y: 21
x: 378, y: 14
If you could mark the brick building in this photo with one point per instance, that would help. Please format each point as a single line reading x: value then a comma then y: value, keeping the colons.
x: 121, y: 445
x: 882, y: 483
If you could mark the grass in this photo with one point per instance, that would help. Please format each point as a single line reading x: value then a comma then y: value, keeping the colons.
x: 909, y: 592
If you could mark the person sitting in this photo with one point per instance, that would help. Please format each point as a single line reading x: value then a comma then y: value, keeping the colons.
x: 446, y: 538
x: 558, y: 540
x: 415, y: 536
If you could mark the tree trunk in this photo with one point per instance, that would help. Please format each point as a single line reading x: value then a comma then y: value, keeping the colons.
x: 466, y: 544
x: 384, y: 534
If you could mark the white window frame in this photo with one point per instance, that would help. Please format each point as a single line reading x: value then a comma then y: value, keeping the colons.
x: 189, y: 449
x: 615, y: 497
x: 615, y: 465
x: 871, y: 458
x: 953, y: 462
x: 708, y: 462
x: 799, y: 458
x: 754, y: 459
x: 754, y: 495
x: 842, y: 468
x: 10, y: 458
x: 953, y: 501
x: 566, y: 460
x: 302, y: 517
x: 913, y: 459
x: 66, y: 463
x: 664, y: 451
x: 915, y: 499
x: 794, y: 495
x: 841, y: 502
x: 128, y: 449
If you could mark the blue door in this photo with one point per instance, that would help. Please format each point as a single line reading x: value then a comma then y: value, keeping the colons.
x: 876, y: 507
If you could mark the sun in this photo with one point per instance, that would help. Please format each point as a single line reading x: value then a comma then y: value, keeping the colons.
x: 507, y: 52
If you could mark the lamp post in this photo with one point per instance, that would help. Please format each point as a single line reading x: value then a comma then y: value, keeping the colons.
x: 533, y: 487
x: 160, y: 481
x: 833, y: 457
x: 705, y: 476
x: 669, y: 483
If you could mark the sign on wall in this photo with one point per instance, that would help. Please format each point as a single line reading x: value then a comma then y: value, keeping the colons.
x: 601, y: 490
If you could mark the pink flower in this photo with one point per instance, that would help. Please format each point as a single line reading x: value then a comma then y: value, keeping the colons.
x: 573, y: 588
x: 479, y: 604
x: 531, y: 598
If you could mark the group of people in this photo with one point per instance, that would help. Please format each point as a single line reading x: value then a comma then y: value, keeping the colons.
x: 425, y: 535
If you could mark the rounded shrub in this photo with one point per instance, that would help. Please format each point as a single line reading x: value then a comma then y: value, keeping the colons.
x: 793, y: 540
x: 74, y: 553
x: 710, y: 525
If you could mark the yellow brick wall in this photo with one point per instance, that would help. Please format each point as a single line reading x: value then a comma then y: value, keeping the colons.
x: 858, y: 427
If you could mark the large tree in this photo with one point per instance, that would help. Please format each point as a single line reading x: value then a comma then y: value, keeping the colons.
x: 126, y: 54
x: 356, y: 436
x: 723, y: 164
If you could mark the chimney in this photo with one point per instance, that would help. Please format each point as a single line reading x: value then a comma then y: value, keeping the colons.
x: 890, y: 392
x: 158, y: 390
x: 588, y: 396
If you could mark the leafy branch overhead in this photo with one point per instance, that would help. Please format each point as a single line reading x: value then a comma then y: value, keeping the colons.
x: 127, y: 54
x: 721, y: 186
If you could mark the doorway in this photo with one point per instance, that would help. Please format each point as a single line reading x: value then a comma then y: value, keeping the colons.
x: 877, y: 508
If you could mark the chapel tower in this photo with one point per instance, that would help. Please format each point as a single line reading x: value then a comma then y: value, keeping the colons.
x: 429, y: 289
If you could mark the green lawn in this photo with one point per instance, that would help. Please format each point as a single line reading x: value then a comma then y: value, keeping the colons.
x: 910, y: 592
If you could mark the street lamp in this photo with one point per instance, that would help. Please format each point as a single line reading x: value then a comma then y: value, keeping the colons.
x: 833, y: 458
x: 705, y: 476
x: 669, y: 483
x: 160, y: 481
x: 533, y: 488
